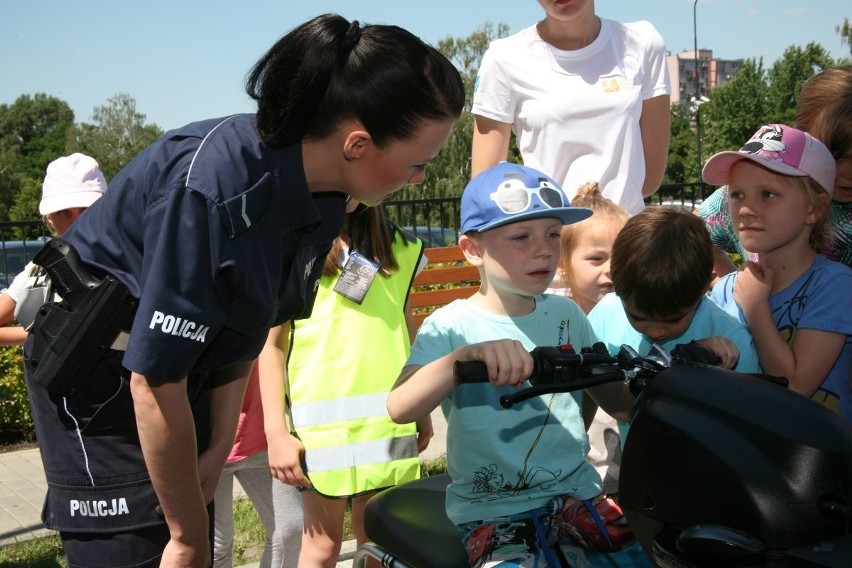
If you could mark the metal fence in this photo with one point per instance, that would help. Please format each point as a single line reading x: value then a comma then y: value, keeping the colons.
x: 19, y: 241
x: 436, y: 221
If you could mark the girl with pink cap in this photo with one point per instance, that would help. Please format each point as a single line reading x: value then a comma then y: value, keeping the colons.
x: 795, y: 301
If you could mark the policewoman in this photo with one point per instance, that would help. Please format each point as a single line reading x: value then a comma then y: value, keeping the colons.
x: 218, y: 231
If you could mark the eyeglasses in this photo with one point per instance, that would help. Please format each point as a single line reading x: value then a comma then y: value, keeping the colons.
x: 513, y: 196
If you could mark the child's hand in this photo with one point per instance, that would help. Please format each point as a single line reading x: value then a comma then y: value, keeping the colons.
x: 285, y: 460
x: 753, y: 287
x: 724, y: 348
x: 508, y: 361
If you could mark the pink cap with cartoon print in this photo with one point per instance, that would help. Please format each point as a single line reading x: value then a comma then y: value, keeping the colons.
x: 782, y: 149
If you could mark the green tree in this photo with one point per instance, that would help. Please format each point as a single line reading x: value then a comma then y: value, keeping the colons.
x: 10, y: 179
x: 682, y: 164
x: 466, y: 53
x: 450, y: 172
x: 755, y: 97
x: 35, y: 128
x: 33, y: 132
x: 117, y: 134
x: 736, y: 109
x: 845, y: 31
x: 788, y: 75
x: 25, y: 205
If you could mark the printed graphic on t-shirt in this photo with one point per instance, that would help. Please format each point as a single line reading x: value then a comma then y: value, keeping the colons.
x: 493, y: 484
x: 787, y: 317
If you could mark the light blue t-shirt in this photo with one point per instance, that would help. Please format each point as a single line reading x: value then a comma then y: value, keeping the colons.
x: 818, y: 299
x: 610, y: 323
x: 506, y: 461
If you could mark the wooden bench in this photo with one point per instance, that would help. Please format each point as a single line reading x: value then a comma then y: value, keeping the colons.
x: 429, y: 291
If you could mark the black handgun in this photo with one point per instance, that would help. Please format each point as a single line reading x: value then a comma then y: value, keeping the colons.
x: 71, y: 336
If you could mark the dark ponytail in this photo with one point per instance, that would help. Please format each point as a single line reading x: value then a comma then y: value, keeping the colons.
x: 329, y: 70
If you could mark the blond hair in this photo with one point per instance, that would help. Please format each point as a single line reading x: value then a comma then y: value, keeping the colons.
x: 818, y: 198
x: 605, y: 210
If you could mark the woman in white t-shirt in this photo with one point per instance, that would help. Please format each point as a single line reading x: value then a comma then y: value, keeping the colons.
x: 71, y: 184
x: 587, y: 99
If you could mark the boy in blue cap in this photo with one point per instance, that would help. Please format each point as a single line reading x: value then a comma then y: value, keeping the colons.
x: 522, y: 492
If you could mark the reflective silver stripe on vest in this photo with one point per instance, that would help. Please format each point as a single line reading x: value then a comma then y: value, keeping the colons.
x: 340, y: 410
x: 363, y: 453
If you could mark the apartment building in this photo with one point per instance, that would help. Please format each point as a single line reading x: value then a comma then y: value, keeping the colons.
x: 693, y: 77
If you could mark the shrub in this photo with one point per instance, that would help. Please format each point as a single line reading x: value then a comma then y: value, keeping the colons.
x: 16, y: 423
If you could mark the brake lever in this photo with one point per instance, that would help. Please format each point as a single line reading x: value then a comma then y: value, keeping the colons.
x: 509, y: 400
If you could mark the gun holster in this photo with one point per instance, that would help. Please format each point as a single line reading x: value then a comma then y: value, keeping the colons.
x: 71, y: 336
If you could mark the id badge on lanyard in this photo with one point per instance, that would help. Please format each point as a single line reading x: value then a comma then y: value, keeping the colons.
x: 356, y: 278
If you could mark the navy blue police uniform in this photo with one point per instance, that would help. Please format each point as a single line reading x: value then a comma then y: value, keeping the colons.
x: 218, y: 238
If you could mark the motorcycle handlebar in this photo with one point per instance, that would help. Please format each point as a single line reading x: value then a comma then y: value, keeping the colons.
x: 561, y: 369
x: 551, y: 365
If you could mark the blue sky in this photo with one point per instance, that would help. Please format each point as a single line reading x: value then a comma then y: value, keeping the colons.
x: 185, y: 60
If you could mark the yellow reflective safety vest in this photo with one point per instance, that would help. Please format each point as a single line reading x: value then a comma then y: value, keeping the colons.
x: 343, y: 362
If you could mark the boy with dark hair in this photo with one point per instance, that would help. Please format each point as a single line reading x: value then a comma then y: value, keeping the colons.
x: 522, y: 492
x: 662, y: 264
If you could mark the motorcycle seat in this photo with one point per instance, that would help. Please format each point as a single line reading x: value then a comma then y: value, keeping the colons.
x: 410, y: 522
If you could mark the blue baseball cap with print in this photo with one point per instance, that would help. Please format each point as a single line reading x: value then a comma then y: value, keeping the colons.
x: 508, y: 193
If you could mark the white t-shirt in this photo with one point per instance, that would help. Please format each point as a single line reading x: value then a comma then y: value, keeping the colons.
x: 575, y: 114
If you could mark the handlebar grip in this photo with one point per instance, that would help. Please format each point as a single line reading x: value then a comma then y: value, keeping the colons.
x: 470, y: 372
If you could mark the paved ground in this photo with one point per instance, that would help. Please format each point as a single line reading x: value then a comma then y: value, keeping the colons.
x: 22, y: 490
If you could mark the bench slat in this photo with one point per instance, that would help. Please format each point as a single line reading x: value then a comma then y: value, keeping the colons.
x: 440, y: 297
x: 447, y: 265
x: 444, y: 254
x: 446, y: 275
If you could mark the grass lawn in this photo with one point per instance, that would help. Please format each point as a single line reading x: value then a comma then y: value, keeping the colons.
x: 249, y: 536
x: 43, y: 552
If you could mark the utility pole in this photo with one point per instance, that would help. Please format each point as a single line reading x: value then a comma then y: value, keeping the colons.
x: 697, y: 85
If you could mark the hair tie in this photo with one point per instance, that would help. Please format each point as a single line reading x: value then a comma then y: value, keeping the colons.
x: 350, y: 39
